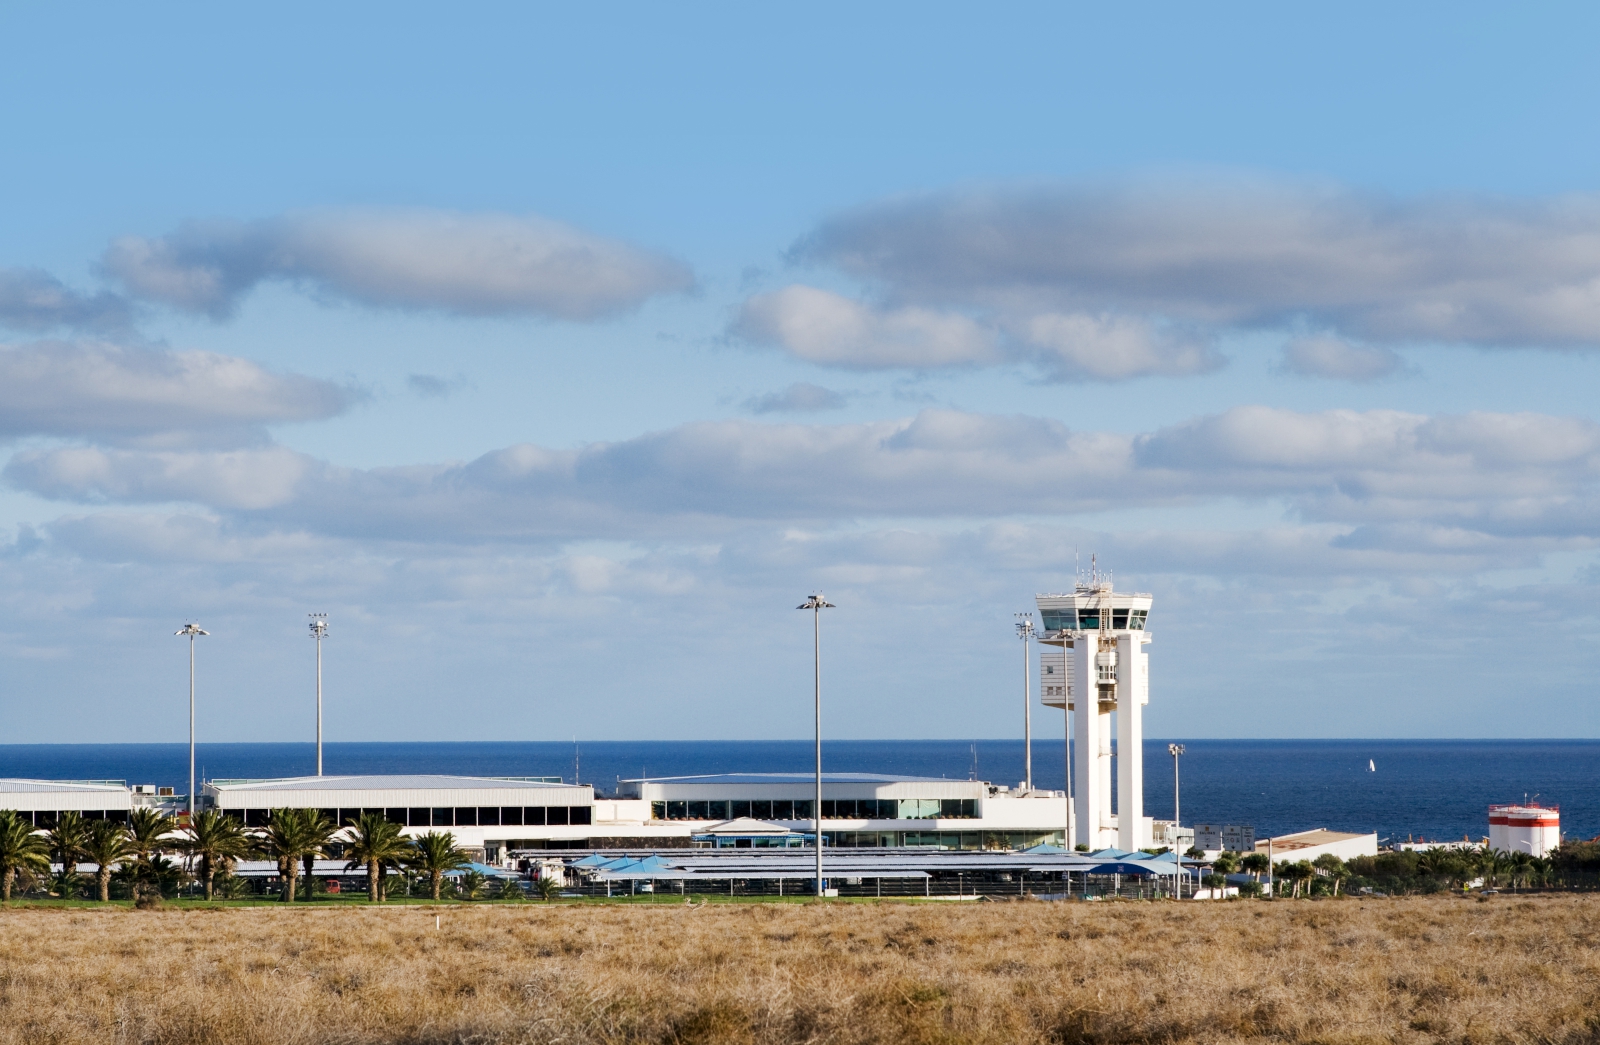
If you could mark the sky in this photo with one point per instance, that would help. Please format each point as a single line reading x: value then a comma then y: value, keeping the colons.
x: 557, y: 353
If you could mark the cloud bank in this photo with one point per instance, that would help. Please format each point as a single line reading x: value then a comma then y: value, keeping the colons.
x: 1483, y: 271
x: 1087, y: 284
x: 469, y: 264
x: 1384, y: 476
x: 109, y: 391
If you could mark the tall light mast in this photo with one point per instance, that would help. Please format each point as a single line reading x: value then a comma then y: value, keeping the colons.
x: 194, y: 631
x: 816, y: 604
x: 1025, y: 633
x: 319, y: 629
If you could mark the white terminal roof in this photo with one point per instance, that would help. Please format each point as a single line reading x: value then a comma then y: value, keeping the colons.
x: 401, y: 790
x: 791, y: 778
x: 64, y: 794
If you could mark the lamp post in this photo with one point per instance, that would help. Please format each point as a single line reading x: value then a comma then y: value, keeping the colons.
x: 193, y: 631
x: 1025, y: 633
x: 816, y: 604
x: 319, y: 628
x: 1175, y: 750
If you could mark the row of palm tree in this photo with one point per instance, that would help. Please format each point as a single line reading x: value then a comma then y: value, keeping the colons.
x: 214, y: 841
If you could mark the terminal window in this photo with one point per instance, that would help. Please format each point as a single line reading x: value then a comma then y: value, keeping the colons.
x: 832, y: 809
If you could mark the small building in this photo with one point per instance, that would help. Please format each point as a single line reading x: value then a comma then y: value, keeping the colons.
x: 1525, y: 828
x: 1308, y: 845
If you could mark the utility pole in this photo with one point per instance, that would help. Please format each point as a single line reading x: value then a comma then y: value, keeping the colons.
x: 1025, y: 633
x: 194, y: 631
x: 319, y: 628
x: 816, y: 604
x: 1176, y: 750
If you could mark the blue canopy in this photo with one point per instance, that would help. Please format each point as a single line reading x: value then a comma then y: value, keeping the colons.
x: 649, y: 863
x: 594, y: 860
x: 1115, y: 854
x: 1045, y: 848
x: 1141, y: 868
x: 483, y: 869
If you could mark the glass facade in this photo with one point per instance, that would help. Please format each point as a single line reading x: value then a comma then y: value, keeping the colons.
x: 447, y: 816
x: 991, y: 840
x: 45, y: 819
x: 832, y: 809
x: 1088, y: 619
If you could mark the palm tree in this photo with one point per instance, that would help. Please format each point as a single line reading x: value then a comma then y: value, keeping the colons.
x: 510, y: 889
x: 148, y: 832
x: 20, y: 850
x: 319, y: 832
x: 377, y: 843
x: 1521, y: 867
x: 547, y: 888
x: 1332, y: 867
x: 1296, y: 872
x: 471, y: 885
x: 107, y: 846
x: 67, y: 838
x: 435, y: 854
x: 1255, y: 863
x: 215, y: 838
x: 287, y: 839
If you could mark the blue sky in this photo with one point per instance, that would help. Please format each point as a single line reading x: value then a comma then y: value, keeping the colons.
x: 558, y: 353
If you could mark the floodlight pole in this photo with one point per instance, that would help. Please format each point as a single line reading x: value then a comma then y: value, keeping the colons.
x: 1176, y: 750
x: 816, y: 604
x: 1025, y: 633
x: 193, y: 631
x: 319, y: 628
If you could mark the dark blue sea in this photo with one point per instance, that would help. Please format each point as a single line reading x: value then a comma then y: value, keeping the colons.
x: 1438, y: 789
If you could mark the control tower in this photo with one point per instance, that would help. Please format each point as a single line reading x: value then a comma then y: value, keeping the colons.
x: 1098, y: 670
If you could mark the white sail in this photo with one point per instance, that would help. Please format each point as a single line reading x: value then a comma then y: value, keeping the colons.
x: 1370, y: 767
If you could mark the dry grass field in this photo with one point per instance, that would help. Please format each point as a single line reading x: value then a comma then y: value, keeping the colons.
x: 1507, y: 969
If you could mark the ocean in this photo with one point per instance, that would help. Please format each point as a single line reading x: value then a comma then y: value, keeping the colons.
x: 1438, y: 789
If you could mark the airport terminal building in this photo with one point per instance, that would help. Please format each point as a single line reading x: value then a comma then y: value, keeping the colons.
x: 499, y: 817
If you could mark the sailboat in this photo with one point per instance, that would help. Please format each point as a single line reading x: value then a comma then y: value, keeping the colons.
x: 1370, y: 767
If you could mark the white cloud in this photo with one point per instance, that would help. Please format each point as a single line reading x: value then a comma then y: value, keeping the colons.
x: 1485, y: 271
x: 31, y: 299
x: 472, y: 264
x: 1324, y: 356
x: 248, y: 480
x: 1079, y: 346
x: 101, y: 389
x: 800, y: 397
x: 822, y: 327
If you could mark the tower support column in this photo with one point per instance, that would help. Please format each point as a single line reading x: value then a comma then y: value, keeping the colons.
x: 1088, y: 726
x: 1130, y: 743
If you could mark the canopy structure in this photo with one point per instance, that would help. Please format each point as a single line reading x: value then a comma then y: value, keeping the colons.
x: 483, y: 869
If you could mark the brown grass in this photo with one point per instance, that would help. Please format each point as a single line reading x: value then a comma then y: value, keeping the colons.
x: 1402, y: 970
